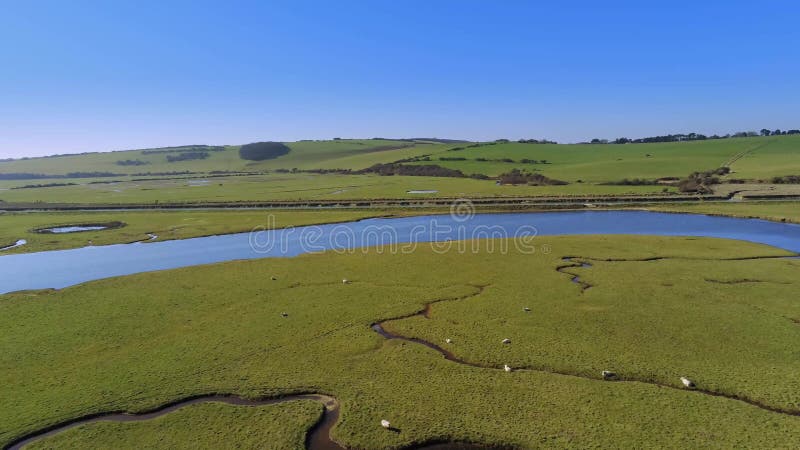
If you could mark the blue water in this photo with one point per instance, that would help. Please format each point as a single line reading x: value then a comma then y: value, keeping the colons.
x: 57, y: 269
x: 60, y: 230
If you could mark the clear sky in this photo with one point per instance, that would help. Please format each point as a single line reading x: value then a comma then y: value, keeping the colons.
x: 96, y: 75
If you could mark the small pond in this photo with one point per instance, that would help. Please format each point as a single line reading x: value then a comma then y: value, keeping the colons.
x: 79, y: 228
x: 19, y: 243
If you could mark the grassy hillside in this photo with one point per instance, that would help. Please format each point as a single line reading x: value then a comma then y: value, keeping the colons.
x: 135, y: 342
x: 354, y: 153
x: 755, y: 157
x: 587, y: 168
x: 761, y: 157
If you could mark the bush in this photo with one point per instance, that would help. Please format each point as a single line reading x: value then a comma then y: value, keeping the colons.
x: 632, y: 182
x: 699, y: 182
x: 187, y: 156
x: 430, y: 170
x: 262, y: 151
x: 517, y: 176
x: 788, y: 179
x: 132, y: 162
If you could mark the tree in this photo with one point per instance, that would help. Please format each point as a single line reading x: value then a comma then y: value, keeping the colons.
x: 765, y: 132
x: 260, y: 151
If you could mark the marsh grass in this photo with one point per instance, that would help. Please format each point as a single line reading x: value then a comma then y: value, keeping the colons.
x: 207, y: 426
x: 132, y: 343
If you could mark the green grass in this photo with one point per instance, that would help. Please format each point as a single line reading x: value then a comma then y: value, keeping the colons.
x: 764, y: 158
x: 355, y: 153
x: 299, y: 187
x: 776, y: 211
x: 207, y: 426
x: 135, y: 342
x: 586, y: 167
x: 167, y: 225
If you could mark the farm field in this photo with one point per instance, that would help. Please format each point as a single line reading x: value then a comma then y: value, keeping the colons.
x: 702, y: 311
x: 299, y: 187
x: 758, y: 158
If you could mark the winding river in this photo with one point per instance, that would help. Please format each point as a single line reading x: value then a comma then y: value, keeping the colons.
x: 62, y: 268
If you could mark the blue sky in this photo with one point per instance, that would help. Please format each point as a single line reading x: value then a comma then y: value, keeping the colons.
x: 93, y: 76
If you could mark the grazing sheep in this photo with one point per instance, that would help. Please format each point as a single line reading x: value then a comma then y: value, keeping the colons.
x: 687, y: 382
x: 608, y: 375
x: 506, y: 341
x: 345, y: 281
x: 284, y: 314
x: 526, y: 309
x: 385, y: 423
x: 448, y: 340
x: 507, y: 368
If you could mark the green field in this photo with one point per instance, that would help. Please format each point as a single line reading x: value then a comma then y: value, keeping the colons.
x: 761, y: 158
x: 298, y: 187
x: 586, y: 167
x: 356, y: 153
x: 135, y: 342
x: 212, y: 425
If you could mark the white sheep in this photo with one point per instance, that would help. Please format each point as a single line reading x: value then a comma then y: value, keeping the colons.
x: 506, y: 341
x: 284, y: 314
x: 526, y: 309
x: 507, y: 368
x: 687, y: 382
x: 608, y: 375
x: 345, y: 281
x: 449, y: 341
x: 385, y: 423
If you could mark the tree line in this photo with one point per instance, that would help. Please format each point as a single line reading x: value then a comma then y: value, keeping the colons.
x: 692, y: 137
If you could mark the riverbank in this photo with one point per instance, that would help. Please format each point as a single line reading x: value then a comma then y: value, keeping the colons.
x: 185, y: 224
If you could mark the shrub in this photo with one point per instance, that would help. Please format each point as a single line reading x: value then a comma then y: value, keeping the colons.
x: 429, y: 170
x: 132, y: 162
x: 187, y: 156
x: 787, y: 179
x: 517, y: 176
x: 261, y: 151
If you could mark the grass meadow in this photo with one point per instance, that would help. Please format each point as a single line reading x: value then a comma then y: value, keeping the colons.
x: 596, y: 163
x: 296, y: 187
x: 211, y: 425
x: 135, y: 342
